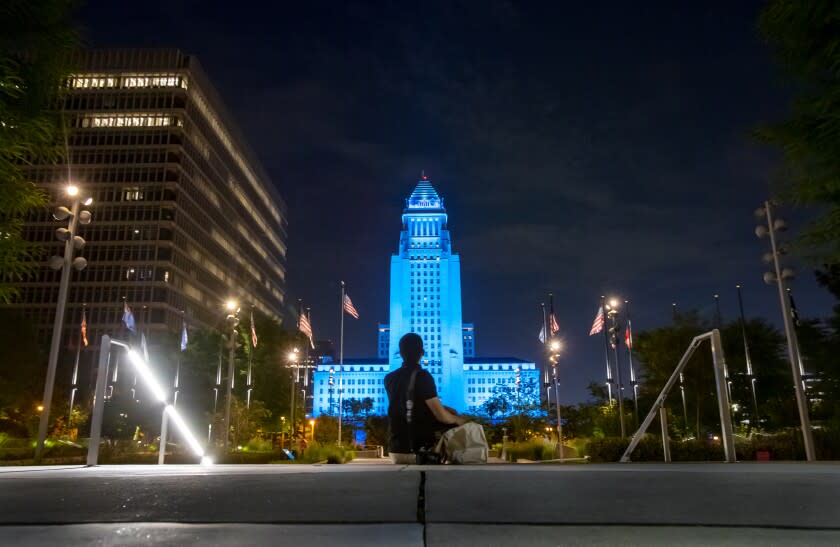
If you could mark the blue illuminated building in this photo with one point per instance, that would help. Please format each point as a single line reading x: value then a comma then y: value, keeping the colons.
x: 426, y: 299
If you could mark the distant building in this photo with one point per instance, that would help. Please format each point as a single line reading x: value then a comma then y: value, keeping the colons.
x: 425, y: 299
x: 183, y: 214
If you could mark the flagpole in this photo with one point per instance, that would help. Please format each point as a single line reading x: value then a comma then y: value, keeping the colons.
x: 216, y: 392
x: 607, y: 351
x: 682, y: 377
x: 794, y: 315
x: 747, y: 358
x: 341, y: 365
x: 546, y: 379
x: 250, y: 354
x: 719, y: 325
x: 629, y: 343
x: 73, y: 382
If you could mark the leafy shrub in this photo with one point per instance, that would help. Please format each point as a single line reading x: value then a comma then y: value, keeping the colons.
x: 315, y: 453
x: 785, y: 445
x: 532, y: 450
x: 258, y: 445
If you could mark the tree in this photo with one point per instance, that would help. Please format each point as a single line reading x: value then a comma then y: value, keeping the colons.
x: 326, y: 430
x: 377, y: 431
x: 36, y: 43
x: 21, y: 372
x: 658, y: 352
x: 803, y: 39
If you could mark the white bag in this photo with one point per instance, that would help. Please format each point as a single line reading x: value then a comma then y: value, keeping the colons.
x: 465, y: 444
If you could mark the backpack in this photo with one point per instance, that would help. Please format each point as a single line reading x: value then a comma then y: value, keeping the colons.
x: 465, y: 444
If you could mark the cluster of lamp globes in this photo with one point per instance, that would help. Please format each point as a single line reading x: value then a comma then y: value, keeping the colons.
x: 769, y: 227
x: 232, y: 306
x: 74, y: 217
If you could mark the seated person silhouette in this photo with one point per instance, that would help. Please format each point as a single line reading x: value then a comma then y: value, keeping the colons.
x: 427, y: 413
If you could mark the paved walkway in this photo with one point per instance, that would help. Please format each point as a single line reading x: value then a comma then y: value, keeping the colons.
x: 376, y: 504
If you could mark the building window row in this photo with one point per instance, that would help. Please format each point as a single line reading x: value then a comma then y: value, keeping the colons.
x: 128, y: 120
x: 115, y: 81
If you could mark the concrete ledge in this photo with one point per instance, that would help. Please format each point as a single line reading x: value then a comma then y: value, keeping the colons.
x: 462, y: 535
x: 254, y: 494
x: 211, y: 535
x: 678, y: 494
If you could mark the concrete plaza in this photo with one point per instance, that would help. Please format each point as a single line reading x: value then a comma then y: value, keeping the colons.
x: 374, y: 504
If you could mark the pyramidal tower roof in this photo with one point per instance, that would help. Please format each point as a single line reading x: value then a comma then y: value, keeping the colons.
x: 424, y: 196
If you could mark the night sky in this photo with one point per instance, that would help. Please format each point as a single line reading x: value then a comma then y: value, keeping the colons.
x: 585, y: 149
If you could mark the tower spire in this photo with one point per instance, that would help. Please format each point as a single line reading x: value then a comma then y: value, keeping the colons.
x: 423, y: 175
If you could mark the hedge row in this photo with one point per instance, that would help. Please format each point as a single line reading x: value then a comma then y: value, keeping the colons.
x: 785, y: 445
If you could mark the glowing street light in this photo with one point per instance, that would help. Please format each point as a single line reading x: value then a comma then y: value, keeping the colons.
x: 312, y: 429
x: 232, y: 306
x: 612, y: 311
x: 556, y: 346
x: 72, y: 243
x: 293, y: 357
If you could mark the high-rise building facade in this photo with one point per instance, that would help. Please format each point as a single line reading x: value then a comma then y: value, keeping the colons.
x: 425, y: 299
x: 184, y: 216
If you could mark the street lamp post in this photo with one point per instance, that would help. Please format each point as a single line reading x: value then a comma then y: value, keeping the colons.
x: 233, y: 321
x: 778, y: 276
x: 293, y: 356
x: 556, y: 346
x: 612, y: 310
x: 75, y: 216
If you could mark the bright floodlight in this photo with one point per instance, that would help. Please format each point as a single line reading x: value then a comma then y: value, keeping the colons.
x: 88, y: 201
x: 555, y: 345
x: 72, y: 190
x: 146, y: 374
x: 143, y: 368
x: 293, y: 356
x: 230, y: 305
x: 614, y: 303
x: 185, y: 431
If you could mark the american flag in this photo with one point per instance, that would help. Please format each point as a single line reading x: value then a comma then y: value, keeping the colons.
x: 306, y: 328
x: 349, y: 307
x: 555, y: 328
x: 128, y: 319
x: 628, y: 337
x: 598, y: 323
x: 83, y: 329
x: 184, y: 337
x: 253, y: 331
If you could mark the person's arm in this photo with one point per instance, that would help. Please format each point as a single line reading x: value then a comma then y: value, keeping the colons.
x: 441, y: 414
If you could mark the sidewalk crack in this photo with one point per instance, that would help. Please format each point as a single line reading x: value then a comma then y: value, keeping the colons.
x: 421, y: 504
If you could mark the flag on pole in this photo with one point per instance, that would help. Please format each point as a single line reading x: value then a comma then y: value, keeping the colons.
x: 794, y: 313
x: 253, y: 331
x: 306, y: 328
x: 628, y: 337
x: 184, y: 337
x: 542, y: 334
x: 128, y: 319
x: 598, y: 323
x: 554, y: 328
x: 349, y: 307
x: 83, y: 329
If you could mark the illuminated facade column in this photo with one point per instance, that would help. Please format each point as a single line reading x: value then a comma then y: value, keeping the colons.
x: 426, y: 293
